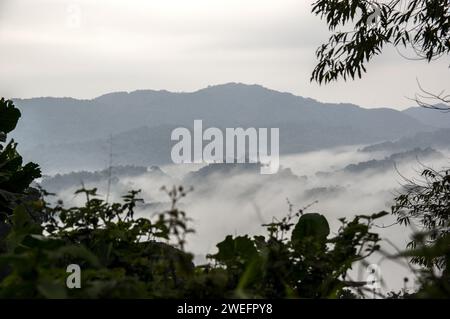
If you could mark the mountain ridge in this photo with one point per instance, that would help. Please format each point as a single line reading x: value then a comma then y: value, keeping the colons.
x: 432, y: 117
x: 146, y: 117
x: 201, y: 90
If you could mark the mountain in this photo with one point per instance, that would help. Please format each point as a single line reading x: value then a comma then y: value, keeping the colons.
x: 234, y: 169
x: 439, y: 139
x: 436, y: 118
x: 60, y: 182
x: 389, y: 162
x: 66, y: 133
x: 142, y: 146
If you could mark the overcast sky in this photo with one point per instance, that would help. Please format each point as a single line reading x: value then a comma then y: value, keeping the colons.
x: 87, y: 48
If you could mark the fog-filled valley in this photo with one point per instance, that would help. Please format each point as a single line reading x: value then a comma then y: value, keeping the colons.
x: 339, y: 160
x: 236, y: 199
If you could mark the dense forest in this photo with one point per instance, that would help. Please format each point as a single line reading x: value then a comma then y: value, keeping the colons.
x: 122, y: 255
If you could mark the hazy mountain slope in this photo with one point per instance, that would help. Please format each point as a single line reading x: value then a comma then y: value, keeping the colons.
x: 60, y: 182
x: 143, y: 146
x: 439, y: 139
x: 59, y: 131
x: 389, y: 162
x: 429, y: 116
x: 55, y: 120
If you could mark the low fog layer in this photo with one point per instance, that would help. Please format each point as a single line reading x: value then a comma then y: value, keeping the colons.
x: 236, y: 199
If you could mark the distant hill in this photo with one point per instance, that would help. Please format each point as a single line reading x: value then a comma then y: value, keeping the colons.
x: 438, y: 139
x: 234, y: 169
x: 389, y: 162
x: 430, y: 117
x: 60, y: 182
x: 142, y: 146
x: 65, y: 133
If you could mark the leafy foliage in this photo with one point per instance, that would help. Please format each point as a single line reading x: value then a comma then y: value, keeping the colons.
x: 433, y: 282
x: 15, y: 179
x: 422, y: 25
x: 306, y: 264
x: 125, y: 256
x: 426, y: 205
x: 121, y: 255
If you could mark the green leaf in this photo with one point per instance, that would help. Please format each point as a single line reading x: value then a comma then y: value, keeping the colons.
x: 313, y: 226
x: 240, y: 249
x: 9, y: 116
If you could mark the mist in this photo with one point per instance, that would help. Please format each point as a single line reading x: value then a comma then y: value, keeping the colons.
x: 239, y: 201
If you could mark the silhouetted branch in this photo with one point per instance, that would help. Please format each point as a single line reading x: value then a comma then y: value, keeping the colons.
x: 441, y: 100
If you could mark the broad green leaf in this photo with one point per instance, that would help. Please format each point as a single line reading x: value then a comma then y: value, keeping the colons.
x: 314, y: 226
x: 9, y: 116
